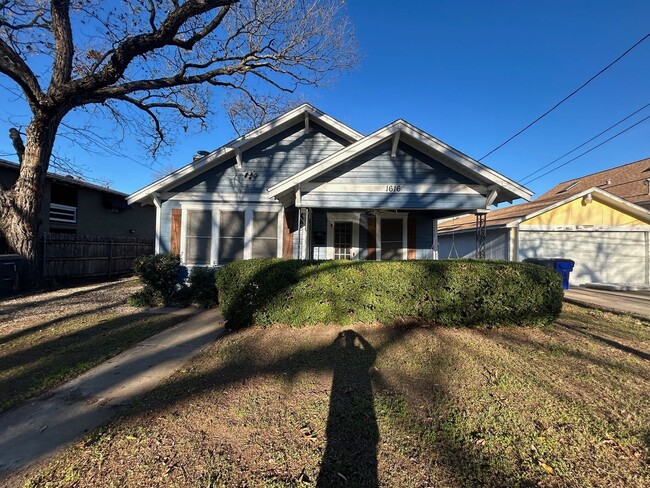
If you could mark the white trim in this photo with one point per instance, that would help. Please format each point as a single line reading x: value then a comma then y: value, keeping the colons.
x: 253, y: 137
x: 224, y: 197
x: 157, y: 203
x: 216, y: 209
x: 585, y: 228
x: 434, y: 145
x: 393, y: 149
x: 457, y: 188
x: 435, y: 245
x: 403, y: 216
x: 333, y: 217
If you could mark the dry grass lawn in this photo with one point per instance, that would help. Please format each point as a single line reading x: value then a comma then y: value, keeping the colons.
x: 49, y: 337
x: 402, y: 406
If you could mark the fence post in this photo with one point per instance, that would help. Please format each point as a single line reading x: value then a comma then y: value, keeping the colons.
x: 110, y: 257
x: 44, y: 254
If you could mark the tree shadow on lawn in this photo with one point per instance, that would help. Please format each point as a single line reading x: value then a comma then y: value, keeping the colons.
x: 352, y: 432
x: 65, y: 299
x: 31, y: 370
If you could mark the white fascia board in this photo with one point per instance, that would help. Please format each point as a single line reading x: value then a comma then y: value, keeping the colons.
x: 241, y: 143
x: 617, y: 202
x: 434, y: 145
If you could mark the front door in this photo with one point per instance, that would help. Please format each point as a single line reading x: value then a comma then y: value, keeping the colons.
x: 342, y: 235
x: 342, y: 240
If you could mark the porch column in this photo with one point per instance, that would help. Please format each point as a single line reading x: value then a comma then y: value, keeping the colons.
x: 303, y: 233
x: 480, y: 235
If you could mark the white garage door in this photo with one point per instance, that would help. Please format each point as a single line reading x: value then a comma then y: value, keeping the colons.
x: 600, y: 257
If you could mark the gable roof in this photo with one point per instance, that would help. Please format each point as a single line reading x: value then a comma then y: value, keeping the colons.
x: 68, y: 180
x: 231, y: 149
x: 402, y: 130
x: 516, y: 214
x: 629, y: 181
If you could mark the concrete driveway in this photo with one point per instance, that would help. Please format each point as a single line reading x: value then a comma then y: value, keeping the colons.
x: 636, y: 303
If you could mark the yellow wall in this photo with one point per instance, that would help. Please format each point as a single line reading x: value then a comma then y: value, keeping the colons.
x: 577, y: 213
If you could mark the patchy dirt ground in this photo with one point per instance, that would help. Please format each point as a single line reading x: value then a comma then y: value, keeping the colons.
x: 47, y: 338
x: 566, y: 405
x: 22, y: 311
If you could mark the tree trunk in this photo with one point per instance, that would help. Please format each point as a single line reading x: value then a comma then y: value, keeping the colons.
x: 20, y: 205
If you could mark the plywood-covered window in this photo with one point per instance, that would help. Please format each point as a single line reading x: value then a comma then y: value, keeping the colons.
x: 231, y: 236
x: 198, y: 237
x: 265, y: 234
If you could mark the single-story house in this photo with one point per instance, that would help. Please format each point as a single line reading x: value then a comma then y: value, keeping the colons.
x: 307, y: 186
x: 74, y: 206
x: 601, y: 221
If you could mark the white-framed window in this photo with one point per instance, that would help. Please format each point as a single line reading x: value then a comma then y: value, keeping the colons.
x: 265, y: 234
x: 343, y: 235
x: 232, y: 230
x: 198, y: 237
x: 392, y: 236
x: 217, y: 234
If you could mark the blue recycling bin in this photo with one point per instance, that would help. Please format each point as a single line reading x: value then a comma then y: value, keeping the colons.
x: 564, y: 267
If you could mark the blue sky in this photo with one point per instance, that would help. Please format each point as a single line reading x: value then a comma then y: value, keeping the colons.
x: 471, y: 74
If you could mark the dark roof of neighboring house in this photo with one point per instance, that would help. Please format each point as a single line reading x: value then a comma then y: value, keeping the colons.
x: 629, y: 181
x: 70, y: 180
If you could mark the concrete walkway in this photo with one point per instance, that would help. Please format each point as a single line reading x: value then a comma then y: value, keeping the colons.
x: 48, y: 423
x: 636, y: 303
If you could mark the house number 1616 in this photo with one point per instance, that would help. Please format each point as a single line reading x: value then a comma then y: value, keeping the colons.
x: 393, y: 188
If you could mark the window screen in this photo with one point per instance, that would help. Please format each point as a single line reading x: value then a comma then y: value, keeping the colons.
x: 198, y: 237
x: 265, y: 234
x: 231, y: 236
x: 391, y: 239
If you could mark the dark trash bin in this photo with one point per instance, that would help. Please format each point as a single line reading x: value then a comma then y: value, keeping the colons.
x: 561, y: 265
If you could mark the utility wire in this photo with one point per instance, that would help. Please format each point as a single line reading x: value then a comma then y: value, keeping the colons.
x: 523, y: 180
x: 589, y: 150
x: 567, y: 97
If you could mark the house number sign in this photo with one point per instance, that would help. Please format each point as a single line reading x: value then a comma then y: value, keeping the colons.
x: 393, y: 188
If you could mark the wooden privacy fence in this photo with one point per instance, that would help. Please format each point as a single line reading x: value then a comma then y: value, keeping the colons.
x: 79, y: 256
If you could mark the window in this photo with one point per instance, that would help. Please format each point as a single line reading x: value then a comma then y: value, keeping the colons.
x: 231, y: 236
x: 198, y: 240
x: 392, y: 233
x: 63, y: 203
x: 265, y: 234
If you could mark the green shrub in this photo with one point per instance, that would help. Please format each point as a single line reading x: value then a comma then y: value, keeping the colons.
x: 159, y: 275
x: 203, y: 287
x: 452, y: 292
x: 143, y: 298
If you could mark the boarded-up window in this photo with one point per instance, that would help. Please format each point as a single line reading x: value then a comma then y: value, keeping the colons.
x: 265, y: 234
x: 391, y: 239
x: 198, y: 237
x: 231, y: 236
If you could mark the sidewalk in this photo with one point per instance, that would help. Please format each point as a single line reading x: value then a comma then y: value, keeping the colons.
x: 48, y: 423
x: 630, y: 302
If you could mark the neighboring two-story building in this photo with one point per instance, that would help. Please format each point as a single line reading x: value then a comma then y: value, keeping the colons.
x: 73, y: 206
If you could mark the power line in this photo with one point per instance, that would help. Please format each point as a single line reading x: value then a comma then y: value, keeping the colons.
x: 567, y: 97
x: 523, y: 180
x: 589, y: 150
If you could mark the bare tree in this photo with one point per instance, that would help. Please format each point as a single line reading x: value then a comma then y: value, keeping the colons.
x: 157, y: 59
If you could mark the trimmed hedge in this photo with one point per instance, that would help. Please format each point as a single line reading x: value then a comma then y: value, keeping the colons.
x: 451, y: 292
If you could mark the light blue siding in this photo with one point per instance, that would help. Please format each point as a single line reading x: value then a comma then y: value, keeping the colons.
x: 272, y: 160
x: 409, y: 166
x: 354, y: 200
